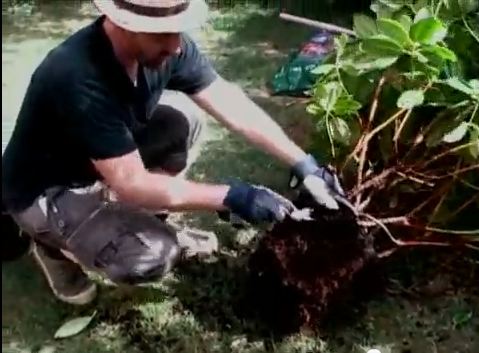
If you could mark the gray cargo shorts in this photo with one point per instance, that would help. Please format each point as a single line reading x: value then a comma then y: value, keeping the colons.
x: 127, y: 245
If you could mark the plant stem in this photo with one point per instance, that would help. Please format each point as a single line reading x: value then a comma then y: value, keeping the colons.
x: 337, y: 66
x: 438, y: 8
x: 430, y: 198
x: 470, y: 30
x: 411, y: 243
x: 401, y: 127
x: 330, y: 137
x: 420, y: 136
x: 400, y: 242
x: 439, y: 204
x: 452, y: 150
x: 456, y: 172
x: 403, y: 122
x: 389, y: 220
x: 374, y: 105
x: 412, y: 178
x: 470, y: 246
x: 372, y: 113
x: 362, y: 143
x: 460, y: 208
x: 369, y: 136
x: 386, y: 123
x: 468, y: 184
x: 383, y: 226
x: 476, y: 107
x: 453, y: 231
x: 386, y: 253
x: 356, y: 149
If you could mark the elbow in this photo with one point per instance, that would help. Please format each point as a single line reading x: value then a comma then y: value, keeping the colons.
x: 127, y: 188
x: 125, y: 191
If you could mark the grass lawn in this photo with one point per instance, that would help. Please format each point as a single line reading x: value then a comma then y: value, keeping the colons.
x: 197, y: 308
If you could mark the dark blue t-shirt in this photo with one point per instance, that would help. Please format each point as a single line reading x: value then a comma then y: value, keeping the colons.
x: 81, y: 105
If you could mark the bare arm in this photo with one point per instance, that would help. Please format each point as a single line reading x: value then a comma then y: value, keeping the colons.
x: 132, y: 183
x: 229, y: 104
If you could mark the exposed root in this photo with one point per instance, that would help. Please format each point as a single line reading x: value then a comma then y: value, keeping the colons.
x: 375, y: 182
x: 395, y: 220
x: 415, y: 179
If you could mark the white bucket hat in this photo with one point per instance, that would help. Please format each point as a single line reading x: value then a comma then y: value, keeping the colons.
x: 155, y: 16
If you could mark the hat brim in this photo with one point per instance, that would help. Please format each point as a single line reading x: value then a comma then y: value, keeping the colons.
x: 193, y: 17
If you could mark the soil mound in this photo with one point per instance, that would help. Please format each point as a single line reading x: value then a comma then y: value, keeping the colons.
x: 300, y: 270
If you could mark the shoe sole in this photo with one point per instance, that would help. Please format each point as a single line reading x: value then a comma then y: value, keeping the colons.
x: 83, y: 298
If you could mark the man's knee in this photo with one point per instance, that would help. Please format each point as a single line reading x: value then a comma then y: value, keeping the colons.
x: 165, y: 143
x: 183, y: 105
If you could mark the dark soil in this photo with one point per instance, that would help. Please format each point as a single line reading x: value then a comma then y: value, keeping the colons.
x: 301, y: 270
x: 304, y: 275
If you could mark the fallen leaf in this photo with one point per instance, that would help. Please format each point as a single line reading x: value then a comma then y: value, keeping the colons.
x: 74, y: 326
x: 47, y: 349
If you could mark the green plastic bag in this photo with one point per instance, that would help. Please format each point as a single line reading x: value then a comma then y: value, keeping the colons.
x: 295, y: 77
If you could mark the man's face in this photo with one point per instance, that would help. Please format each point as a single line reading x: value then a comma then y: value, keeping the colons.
x: 154, y: 49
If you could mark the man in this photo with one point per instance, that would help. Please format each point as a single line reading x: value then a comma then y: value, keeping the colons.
x: 92, y: 149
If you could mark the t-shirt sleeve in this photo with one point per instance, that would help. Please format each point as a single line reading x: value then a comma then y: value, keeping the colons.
x: 97, y: 120
x: 192, y: 71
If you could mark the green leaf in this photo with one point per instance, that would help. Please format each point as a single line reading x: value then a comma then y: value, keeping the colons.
x: 456, y: 134
x: 439, y: 52
x: 313, y: 109
x: 326, y: 95
x: 420, y: 4
x: 430, y: 71
x: 382, y: 11
x: 461, y: 317
x: 340, y: 131
x: 361, y: 87
x: 323, y: 69
x: 468, y: 6
x: 47, y: 349
x: 376, y: 64
x: 392, y: 4
x: 350, y: 69
x: 422, y: 14
x: 346, y: 105
x: 406, y: 22
x: 410, y: 99
x: 421, y: 57
x: 73, y: 327
x: 364, y: 26
x: 475, y: 85
x: 474, y: 149
x: 394, y: 30
x: 460, y: 85
x: 428, y: 31
x: 414, y: 75
x: 461, y: 7
x: 381, y: 45
x: 443, y: 123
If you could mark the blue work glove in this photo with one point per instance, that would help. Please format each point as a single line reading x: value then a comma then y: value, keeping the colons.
x: 256, y: 204
x: 319, y: 181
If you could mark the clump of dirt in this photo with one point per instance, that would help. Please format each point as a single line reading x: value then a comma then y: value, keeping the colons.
x: 302, y: 270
